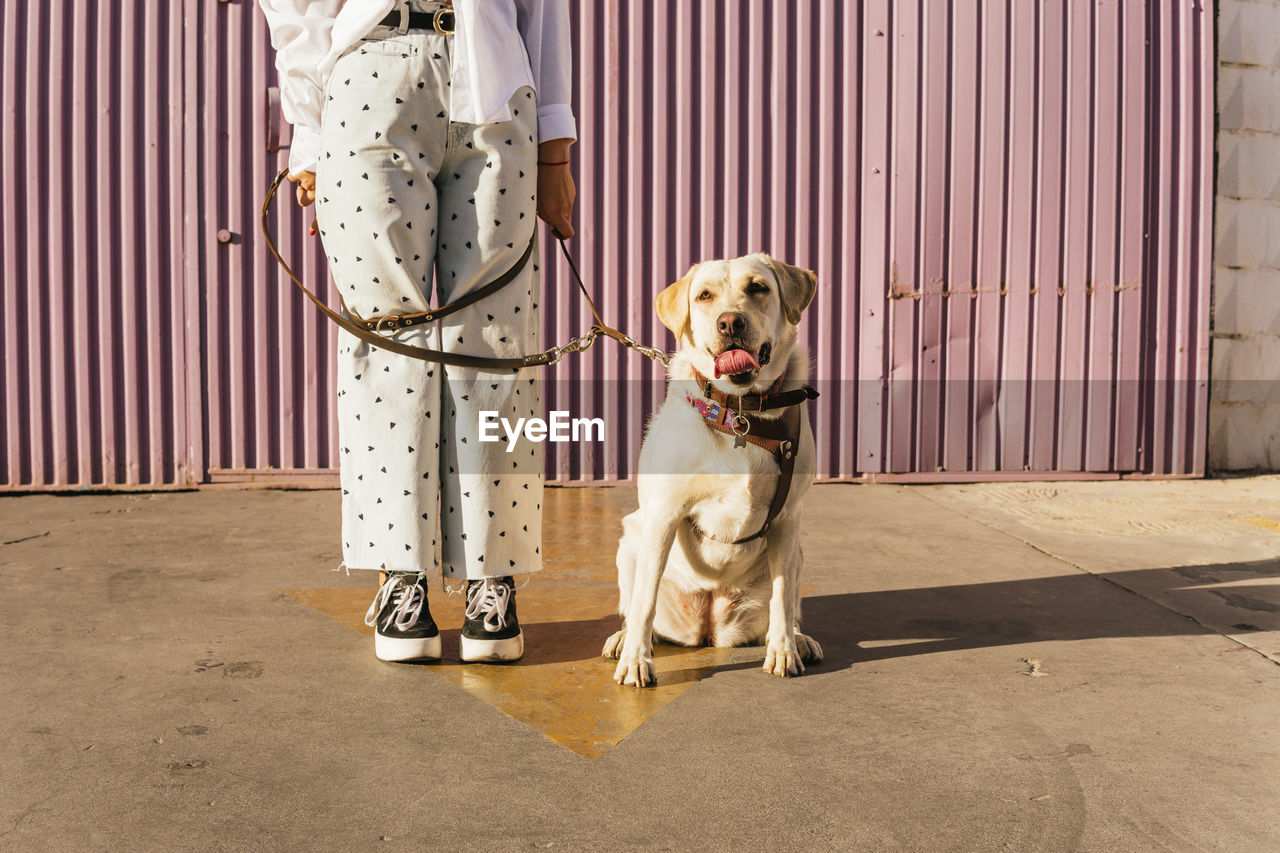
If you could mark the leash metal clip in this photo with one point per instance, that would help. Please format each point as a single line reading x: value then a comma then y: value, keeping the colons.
x: 576, y: 344
x: 651, y: 352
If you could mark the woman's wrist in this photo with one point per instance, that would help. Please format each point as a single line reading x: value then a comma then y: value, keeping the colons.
x: 554, y: 152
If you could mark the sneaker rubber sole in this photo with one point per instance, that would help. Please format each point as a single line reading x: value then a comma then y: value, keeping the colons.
x: 406, y: 648
x: 477, y: 651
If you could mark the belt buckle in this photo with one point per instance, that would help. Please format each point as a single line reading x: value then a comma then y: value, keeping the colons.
x: 436, y: 22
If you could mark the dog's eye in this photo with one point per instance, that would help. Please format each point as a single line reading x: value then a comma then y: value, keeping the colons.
x: 704, y: 296
x: 756, y: 287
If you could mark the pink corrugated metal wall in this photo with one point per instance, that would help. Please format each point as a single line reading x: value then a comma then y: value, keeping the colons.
x: 1007, y: 203
x: 268, y: 353
x: 93, y: 219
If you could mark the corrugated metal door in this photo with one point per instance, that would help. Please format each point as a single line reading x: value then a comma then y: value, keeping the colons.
x: 1007, y: 204
x: 98, y: 328
x: 268, y: 352
x: 1034, y: 199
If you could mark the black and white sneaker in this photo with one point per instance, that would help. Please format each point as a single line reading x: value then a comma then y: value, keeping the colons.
x: 403, y: 627
x: 491, y: 630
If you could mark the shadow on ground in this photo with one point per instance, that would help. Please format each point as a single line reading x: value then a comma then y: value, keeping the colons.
x: 565, y: 689
x: 869, y: 626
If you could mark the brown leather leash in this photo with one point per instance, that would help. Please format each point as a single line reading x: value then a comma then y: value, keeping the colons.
x: 372, y: 329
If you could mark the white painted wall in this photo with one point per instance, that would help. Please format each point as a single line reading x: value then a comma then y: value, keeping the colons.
x: 1244, y: 390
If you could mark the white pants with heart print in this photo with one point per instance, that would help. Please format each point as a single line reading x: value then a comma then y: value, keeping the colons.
x: 405, y: 197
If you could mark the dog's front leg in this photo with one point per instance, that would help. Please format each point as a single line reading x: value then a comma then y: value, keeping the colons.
x: 782, y: 657
x: 635, y: 661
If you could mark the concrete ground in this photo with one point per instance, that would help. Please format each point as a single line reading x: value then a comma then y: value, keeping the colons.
x: 1084, y: 666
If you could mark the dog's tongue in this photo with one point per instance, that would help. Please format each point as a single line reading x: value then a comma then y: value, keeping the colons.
x: 734, y: 361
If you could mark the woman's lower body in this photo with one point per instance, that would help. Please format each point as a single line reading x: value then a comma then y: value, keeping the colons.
x: 406, y: 197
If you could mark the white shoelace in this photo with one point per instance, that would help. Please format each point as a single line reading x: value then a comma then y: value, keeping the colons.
x: 409, y: 597
x: 489, y: 598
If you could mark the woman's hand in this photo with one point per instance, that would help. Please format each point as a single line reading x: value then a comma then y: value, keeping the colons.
x: 306, y: 188
x: 555, y: 186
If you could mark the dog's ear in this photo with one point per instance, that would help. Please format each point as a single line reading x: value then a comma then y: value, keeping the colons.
x: 796, y: 287
x: 672, y: 305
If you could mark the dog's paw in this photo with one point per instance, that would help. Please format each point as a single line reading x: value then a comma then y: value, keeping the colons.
x: 782, y: 659
x: 808, y: 647
x: 613, y: 645
x: 636, y: 670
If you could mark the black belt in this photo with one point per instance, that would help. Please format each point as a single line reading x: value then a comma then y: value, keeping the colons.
x: 441, y: 20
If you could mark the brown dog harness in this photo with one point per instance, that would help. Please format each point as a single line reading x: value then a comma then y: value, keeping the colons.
x: 726, y: 413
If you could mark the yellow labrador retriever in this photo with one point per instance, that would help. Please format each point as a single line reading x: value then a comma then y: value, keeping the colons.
x: 712, y: 556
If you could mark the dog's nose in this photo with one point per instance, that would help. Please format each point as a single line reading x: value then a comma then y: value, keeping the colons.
x: 730, y: 323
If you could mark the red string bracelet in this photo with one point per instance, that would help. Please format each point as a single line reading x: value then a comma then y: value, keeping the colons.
x: 561, y: 163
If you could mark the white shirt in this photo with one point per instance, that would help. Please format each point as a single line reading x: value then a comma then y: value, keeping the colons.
x: 499, y: 46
